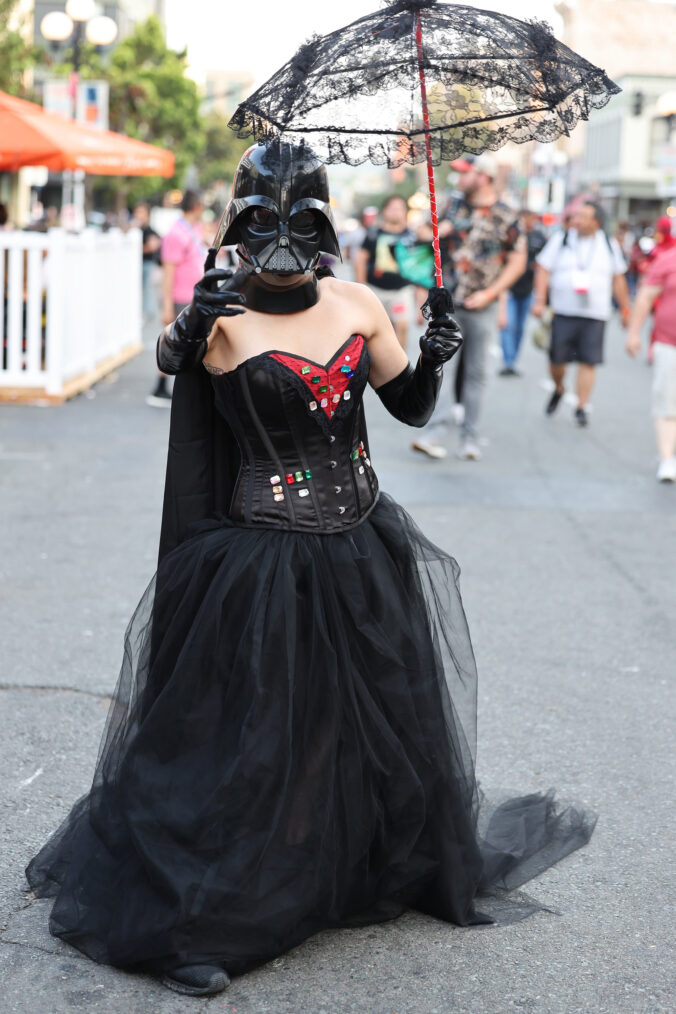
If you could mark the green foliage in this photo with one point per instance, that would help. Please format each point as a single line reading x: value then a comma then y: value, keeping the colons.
x: 152, y: 99
x: 222, y: 151
x: 17, y: 53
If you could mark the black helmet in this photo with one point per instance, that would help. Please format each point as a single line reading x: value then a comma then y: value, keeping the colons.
x: 279, y: 214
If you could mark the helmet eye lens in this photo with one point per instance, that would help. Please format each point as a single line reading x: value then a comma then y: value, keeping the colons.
x: 263, y: 221
x: 304, y: 223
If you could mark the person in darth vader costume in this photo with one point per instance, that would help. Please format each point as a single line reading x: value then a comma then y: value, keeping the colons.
x: 291, y: 741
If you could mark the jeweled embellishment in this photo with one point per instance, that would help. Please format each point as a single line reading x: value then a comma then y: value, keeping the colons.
x: 345, y: 369
x: 355, y: 454
x: 308, y: 473
x: 361, y: 469
x: 303, y: 492
x: 277, y: 489
x: 324, y: 402
x: 305, y: 370
x: 278, y: 497
x: 274, y: 480
x: 298, y: 476
x: 315, y: 380
x: 335, y: 399
x: 323, y: 389
x: 313, y: 406
x: 289, y: 478
x: 347, y: 395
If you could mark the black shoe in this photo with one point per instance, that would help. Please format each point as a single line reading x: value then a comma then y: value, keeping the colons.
x: 508, y: 371
x: 581, y: 417
x: 161, y: 396
x: 553, y: 403
x: 197, y: 980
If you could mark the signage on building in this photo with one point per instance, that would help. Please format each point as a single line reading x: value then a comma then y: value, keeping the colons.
x: 91, y: 106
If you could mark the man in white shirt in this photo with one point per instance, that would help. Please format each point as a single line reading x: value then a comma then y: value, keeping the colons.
x: 582, y: 269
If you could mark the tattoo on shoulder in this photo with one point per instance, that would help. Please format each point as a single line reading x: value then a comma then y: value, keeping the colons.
x: 210, y: 368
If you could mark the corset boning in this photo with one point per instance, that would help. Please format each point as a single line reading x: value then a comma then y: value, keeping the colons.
x: 305, y: 463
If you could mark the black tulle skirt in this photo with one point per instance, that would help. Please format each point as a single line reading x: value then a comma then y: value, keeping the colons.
x: 290, y: 747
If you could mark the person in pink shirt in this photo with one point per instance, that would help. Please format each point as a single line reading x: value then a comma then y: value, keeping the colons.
x: 183, y: 253
x: 658, y: 293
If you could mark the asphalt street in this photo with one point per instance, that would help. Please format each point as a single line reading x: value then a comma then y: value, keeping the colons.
x: 567, y: 546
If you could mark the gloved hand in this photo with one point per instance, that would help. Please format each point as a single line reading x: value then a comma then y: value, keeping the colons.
x: 441, y: 341
x: 209, y: 302
x: 184, y: 343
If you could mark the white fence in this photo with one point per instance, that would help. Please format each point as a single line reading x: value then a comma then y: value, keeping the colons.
x: 71, y: 309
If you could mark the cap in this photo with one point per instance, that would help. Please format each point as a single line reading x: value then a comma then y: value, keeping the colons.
x: 485, y: 163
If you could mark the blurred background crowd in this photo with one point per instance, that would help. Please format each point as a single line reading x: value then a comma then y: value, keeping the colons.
x: 550, y: 242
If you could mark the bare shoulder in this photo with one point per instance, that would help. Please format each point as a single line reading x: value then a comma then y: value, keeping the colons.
x: 360, y: 298
x: 349, y: 290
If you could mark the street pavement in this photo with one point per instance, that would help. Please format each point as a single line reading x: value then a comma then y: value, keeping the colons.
x: 567, y: 547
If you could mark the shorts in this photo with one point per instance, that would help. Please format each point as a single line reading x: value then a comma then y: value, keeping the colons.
x: 576, y: 340
x: 398, y: 303
x: 664, y: 381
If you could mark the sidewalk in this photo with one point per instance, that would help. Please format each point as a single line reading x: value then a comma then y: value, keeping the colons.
x: 567, y: 547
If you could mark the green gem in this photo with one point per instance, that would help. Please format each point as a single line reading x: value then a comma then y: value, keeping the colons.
x: 306, y: 369
x: 323, y: 388
x: 315, y: 380
x: 308, y: 473
x: 299, y: 476
x: 355, y: 455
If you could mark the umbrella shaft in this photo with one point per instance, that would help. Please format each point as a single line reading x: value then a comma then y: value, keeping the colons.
x: 428, y: 146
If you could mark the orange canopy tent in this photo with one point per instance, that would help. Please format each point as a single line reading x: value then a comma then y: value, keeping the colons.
x: 31, y: 136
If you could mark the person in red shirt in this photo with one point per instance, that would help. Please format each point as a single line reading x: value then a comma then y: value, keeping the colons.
x: 658, y: 294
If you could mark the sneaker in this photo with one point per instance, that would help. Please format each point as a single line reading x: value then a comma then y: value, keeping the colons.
x: 431, y: 450
x: 458, y: 413
x: 197, y: 980
x: 509, y: 371
x: 553, y: 403
x: 667, y: 470
x: 469, y: 451
x: 581, y: 417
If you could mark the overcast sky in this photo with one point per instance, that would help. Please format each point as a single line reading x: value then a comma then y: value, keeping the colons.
x: 261, y: 35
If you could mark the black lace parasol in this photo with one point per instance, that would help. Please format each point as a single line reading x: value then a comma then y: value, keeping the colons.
x: 421, y: 80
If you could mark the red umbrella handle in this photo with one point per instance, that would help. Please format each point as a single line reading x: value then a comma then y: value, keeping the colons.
x: 428, y: 146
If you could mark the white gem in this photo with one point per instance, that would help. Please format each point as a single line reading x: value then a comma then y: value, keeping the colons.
x: 361, y: 469
x: 277, y: 489
x: 367, y: 462
x: 335, y: 399
x: 324, y: 402
x: 279, y: 497
x: 313, y: 406
x: 303, y: 492
x: 347, y: 396
x: 274, y: 479
x: 347, y: 359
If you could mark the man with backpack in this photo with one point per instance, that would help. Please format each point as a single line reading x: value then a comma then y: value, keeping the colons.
x: 582, y: 268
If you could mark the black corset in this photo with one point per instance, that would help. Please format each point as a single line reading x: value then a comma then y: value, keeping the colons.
x: 302, y: 438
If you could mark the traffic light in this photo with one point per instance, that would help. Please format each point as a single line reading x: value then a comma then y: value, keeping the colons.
x: 637, y: 103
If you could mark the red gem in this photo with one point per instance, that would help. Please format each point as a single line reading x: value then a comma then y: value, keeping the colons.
x: 361, y: 451
x: 289, y: 478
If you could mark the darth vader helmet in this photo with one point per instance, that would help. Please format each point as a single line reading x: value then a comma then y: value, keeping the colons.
x: 279, y: 215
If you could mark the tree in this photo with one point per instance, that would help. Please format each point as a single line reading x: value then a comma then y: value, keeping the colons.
x: 152, y: 99
x: 222, y: 151
x: 17, y: 53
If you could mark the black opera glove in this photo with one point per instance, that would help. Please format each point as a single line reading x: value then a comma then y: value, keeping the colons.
x: 441, y: 341
x: 412, y: 395
x: 183, y: 344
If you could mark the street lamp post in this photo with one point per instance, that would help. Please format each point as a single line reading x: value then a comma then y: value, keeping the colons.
x: 80, y: 19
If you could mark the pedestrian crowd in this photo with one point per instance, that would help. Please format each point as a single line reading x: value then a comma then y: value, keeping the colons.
x: 502, y: 269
